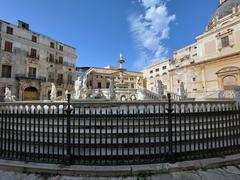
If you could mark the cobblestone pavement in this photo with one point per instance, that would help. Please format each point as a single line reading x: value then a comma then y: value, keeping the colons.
x: 226, y: 173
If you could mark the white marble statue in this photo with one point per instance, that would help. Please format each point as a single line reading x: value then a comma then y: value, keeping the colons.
x: 159, y: 87
x: 183, y: 92
x: 84, y: 83
x: 8, y: 95
x: 66, y: 94
x: 53, y: 94
x: 77, y: 87
x: 137, y: 85
x: 111, y: 89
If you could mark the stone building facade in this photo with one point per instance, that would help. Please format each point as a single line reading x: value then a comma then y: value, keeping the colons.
x: 157, y: 72
x: 98, y: 78
x: 30, y: 62
x: 211, y: 64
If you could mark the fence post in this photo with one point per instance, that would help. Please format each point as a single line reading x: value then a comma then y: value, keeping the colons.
x: 68, y: 111
x: 170, y: 146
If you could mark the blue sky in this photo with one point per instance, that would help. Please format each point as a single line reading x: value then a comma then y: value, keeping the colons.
x: 144, y: 31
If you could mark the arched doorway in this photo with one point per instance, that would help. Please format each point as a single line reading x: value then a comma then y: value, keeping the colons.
x: 30, y: 94
x: 229, y: 82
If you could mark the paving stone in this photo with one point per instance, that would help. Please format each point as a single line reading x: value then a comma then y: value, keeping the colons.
x: 185, y: 176
x: 226, y: 173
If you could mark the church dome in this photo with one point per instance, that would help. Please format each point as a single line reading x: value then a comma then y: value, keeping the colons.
x: 224, y: 9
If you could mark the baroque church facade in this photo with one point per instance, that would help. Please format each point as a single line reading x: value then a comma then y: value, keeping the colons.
x: 211, y: 65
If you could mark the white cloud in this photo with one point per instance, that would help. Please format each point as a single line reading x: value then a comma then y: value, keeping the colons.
x: 150, y: 28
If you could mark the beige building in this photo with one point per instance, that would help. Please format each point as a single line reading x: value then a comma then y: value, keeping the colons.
x: 211, y: 64
x: 98, y: 78
x: 30, y: 62
x: 156, y: 72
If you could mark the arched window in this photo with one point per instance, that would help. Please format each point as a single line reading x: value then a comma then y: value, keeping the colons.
x: 229, y: 82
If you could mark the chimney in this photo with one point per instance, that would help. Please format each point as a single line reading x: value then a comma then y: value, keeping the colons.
x: 23, y: 25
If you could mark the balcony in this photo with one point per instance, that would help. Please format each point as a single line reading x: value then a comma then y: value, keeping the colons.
x: 51, y: 60
x: 36, y: 57
x: 60, y: 81
x: 7, y: 56
x: 51, y: 80
x: 30, y: 77
x: 68, y: 64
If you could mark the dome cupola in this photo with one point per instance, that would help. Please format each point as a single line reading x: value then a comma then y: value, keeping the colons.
x: 225, y: 8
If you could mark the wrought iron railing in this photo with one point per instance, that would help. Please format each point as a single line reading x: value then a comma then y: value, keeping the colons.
x: 108, y: 133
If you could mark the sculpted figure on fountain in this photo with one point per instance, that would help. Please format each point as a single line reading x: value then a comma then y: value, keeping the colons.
x: 53, y: 94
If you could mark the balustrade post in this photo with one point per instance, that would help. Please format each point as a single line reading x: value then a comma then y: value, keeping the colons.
x: 170, y: 145
x: 68, y: 111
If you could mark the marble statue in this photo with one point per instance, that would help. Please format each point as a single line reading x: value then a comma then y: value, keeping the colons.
x: 77, y: 87
x: 53, y: 94
x: 111, y: 89
x: 159, y: 88
x: 137, y: 85
x: 66, y: 95
x: 84, y: 82
x: 121, y: 56
x: 99, y: 95
x: 8, y: 95
x: 183, y: 92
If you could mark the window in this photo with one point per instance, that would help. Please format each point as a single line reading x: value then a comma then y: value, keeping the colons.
x: 99, y: 85
x: 178, y: 81
x: 60, y: 47
x: 193, y: 79
x: 32, y: 72
x: 33, y: 53
x: 107, y: 85
x: 151, y: 71
x: 8, y: 46
x: 34, y: 39
x: 51, y: 44
x: 51, y: 57
x: 225, y: 41
x: 157, y: 70
x: 59, y: 93
x: 164, y: 74
x: 69, y: 78
x: 60, y: 60
x: 6, y: 71
x: 151, y: 76
x: 9, y: 30
x: 60, y: 78
x: 157, y: 75
x: 50, y: 76
x: 132, y: 85
x: 131, y: 79
x: 164, y: 67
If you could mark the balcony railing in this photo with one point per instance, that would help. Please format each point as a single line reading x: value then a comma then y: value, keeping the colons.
x: 33, y: 56
x: 29, y: 77
x: 60, y: 81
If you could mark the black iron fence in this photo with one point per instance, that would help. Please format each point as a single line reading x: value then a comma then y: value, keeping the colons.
x: 118, y: 133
